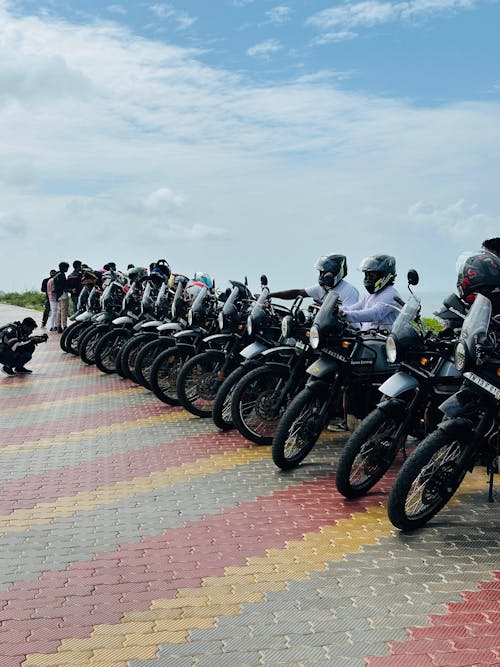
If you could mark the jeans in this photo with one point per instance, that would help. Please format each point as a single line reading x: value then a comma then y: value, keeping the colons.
x: 15, y: 359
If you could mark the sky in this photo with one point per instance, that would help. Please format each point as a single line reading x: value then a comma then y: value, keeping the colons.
x: 242, y: 137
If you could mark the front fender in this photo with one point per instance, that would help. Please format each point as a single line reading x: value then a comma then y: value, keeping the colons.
x: 123, y: 321
x: 464, y: 402
x: 457, y: 427
x: 322, y: 366
x: 254, y: 350
x: 393, y: 408
x: 398, y: 384
x: 283, y: 351
x: 217, y: 340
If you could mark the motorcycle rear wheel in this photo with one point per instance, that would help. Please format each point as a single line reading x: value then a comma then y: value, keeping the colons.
x: 146, y: 358
x: 108, y: 347
x: 254, y: 410
x: 199, y: 381
x: 299, y: 429
x: 164, y: 373
x: 368, y: 454
x: 429, y: 478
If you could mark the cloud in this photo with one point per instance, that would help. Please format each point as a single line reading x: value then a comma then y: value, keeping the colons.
x: 332, y: 37
x: 242, y: 3
x: 459, y: 221
x: 351, y: 15
x: 167, y: 12
x: 163, y: 199
x: 278, y: 15
x: 264, y: 49
x: 11, y: 227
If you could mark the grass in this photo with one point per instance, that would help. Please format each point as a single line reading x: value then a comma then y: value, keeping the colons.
x: 33, y: 300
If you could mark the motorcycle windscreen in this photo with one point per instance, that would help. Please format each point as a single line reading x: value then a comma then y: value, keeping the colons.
x: 258, y: 312
x: 405, y: 329
x: 199, y: 302
x: 327, y: 316
x: 476, y: 324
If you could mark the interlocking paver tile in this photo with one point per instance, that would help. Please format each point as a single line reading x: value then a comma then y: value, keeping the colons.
x: 136, y: 535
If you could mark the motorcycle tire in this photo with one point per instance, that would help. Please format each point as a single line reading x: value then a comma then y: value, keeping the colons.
x: 221, y: 411
x: 253, y: 406
x: 74, y: 335
x: 89, y: 341
x: 130, y: 351
x: 199, y: 380
x: 368, y: 454
x: 429, y: 478
x: 165, y: 370
x: 146, y: 358
x: 108, y: 347
x: 299, y: 429
x: 64, y: 335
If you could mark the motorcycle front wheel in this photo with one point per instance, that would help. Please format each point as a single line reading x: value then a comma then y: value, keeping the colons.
x: 198, y: 382
x: 221, y: 411
x: 108, y: 347
x: 164, y: 373
x: 89, y: 342
x: 146, y: 358
x: 368, y: 454
x: 429, y: 478
x: 298, y: 429
x: 130, y: 351
x: 258, y: 404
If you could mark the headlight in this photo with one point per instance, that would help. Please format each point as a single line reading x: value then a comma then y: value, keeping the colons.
x: 391, y: 349
x: 220, y: 320
x: 190, y: 318
x: 314, y: 337
x: 460, y: 356
x: 286, y: 326
x: 249, y: 325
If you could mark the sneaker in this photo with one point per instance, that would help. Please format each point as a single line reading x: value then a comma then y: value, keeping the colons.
x: 22, y: 369
x: 8, y: 370
x: 337, y: 427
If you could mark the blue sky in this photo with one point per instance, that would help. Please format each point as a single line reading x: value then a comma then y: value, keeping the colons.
x: 240, y: 136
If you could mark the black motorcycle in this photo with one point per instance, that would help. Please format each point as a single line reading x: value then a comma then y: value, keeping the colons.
x: 342, y: 380
x: 202, y: 376
x: 201, y: 320
x: 262, y: 395
x: 469, y: 432
x: 87, y: 306
x: 409, y: 406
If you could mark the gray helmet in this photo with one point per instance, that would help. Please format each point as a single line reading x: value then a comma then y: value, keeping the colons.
x: 379, y: 270
x: 332, y: 269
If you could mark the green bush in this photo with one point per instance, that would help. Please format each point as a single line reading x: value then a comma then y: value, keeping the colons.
x: 34, y: 300
x: 432, y: 324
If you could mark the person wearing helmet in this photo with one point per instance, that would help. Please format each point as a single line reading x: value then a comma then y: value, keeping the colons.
x: 492, y: 245
x: 161, y: 268
x: 17, y: 345
x: 379, y: 308
x: 332, y: 271
x: 479, y: 273
x: 204, y: 278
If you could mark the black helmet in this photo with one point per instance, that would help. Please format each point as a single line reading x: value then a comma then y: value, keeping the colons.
x: 162, y: 267
x: 379, y: 270
x: 332, y: 268
x: 477, y: 272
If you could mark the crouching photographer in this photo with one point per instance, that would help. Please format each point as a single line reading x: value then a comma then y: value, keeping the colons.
x: 17, y: 345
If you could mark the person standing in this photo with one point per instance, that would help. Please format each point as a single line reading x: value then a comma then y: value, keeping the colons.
x: 46, y: 303
x: 74, y: 283
x: 62, y: 296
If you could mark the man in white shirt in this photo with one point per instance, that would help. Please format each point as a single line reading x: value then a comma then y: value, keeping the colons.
x: 379, y: 308
x: 332, y: 270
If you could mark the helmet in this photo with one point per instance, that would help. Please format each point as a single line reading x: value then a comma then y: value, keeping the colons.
x: 89, y: 277
x: 162, y: 267
x: 332, y: 268
x: 193, y: 289
x: 477, y: 272
x: 136, y: 273
x: 204, y: 278
x: 379, y: 270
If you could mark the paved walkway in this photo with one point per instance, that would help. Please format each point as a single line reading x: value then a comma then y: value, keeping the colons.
x: 134, y: 534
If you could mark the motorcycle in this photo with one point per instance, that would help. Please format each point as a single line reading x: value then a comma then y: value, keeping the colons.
x: 409, y: 404
x: 342, y: 380
x: 262, y: 395
x: 110, y: 303
x: 201, y: 320
x: 171, y: 309
x: 469, y: 431
x: 87, y: 307
x: 262, y: 326
x: 202, y: 376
